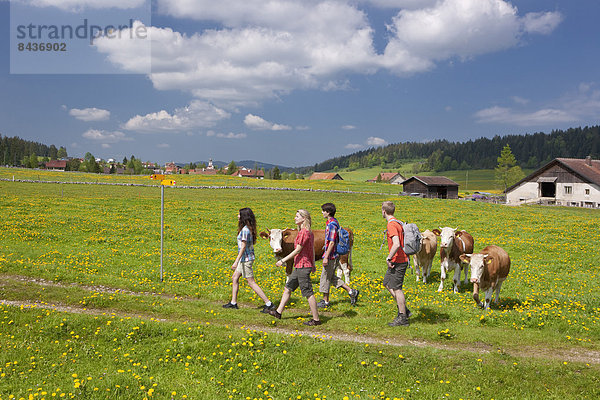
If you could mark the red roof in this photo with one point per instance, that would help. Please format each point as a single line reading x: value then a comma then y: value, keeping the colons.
x: 433, y: 180
x: 250, y: 173
x: 325, y: 175
x: 56, y: 164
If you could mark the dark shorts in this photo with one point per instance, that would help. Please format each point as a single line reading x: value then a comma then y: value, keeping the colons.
x: 300, y: 277
x: 394, y: 277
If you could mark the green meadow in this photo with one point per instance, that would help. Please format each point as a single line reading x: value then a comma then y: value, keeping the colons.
x: 86, y: 315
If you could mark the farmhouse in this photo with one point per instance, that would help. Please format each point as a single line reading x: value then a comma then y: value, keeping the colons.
x: 325, y: 176
x: 389, y: 177
x: 434, y: 187
x: 250, y: 173
x: 563, y: 181
x: 60, y: 165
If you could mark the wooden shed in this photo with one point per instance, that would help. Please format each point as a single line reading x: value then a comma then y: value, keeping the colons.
x: 326, y: 176
x: 434, y: 187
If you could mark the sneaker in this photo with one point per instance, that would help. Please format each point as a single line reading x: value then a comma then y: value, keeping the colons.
x: 400, y: 320
x: 266, y: 309
x: 353, y: 296
x: 275, y: 314
x: 312, y: 322
x: 408, y: 313
x: 229, y: 305
x: 323, y: 304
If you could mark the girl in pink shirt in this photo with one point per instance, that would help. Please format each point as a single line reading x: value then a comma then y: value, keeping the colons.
x: 304, y: 265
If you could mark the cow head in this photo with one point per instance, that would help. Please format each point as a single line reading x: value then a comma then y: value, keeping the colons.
x: 275, y: 237
x: 477, y: 262
x: 447, y: 236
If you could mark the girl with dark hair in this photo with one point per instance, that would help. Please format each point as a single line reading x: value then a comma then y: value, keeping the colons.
x: 242, y: 266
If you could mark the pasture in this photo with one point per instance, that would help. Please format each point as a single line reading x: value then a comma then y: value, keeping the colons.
x: 94, y: 251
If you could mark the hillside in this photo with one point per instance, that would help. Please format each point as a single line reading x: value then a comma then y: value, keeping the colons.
x: 530, y: 150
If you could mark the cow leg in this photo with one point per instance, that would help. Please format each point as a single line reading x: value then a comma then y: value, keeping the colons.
x: 488, y: 297
x: 497, y: 299
x: 456, y: 278
x: 443, y: 268
x: 426, y: 270
x: 466, y: 268
x: 417, y: 268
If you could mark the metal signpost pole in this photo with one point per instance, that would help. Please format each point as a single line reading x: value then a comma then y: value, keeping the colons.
x: 162, y: 213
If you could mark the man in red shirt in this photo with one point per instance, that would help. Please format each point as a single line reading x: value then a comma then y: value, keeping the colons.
x: 397, y: 262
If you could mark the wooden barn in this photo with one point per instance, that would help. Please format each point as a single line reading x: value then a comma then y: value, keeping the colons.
x: 394, y: 178
x: 434, y: 187
x: 326, y: 176
x: 563, y: 181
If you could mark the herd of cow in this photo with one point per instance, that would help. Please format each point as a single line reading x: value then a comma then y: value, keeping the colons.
x: 489, y: 267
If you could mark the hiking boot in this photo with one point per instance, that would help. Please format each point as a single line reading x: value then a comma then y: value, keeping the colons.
x: 323, y: 304
x: 266, y: 309
x: 353, y: 296
x: 229, y: 305
x: 400, y: 320
x: 275, y: 314
x: 312, y: 322
x: 408, y: 313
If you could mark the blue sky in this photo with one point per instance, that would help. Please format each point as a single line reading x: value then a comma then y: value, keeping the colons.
x: 296, y: 82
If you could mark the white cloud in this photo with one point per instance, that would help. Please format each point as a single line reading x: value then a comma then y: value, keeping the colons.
x: 105, y: 136
x: 198, y: 114
x: 105, y: 146
x: 264, y: 49
x: 510, y: 116
x: 375, y: 141
x: 257, y: 123
x: 353, y: 146
x: 458, y: 29
x: 229, y: 135
x: 78, y: 5
x: 302, y: 128
x: 348, y: 127
x: 520, y: 100
x: 163, y: 145
x: 90, y: 114
x: 581, y: 106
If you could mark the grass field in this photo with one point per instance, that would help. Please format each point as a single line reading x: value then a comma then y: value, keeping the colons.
x: 94, y: 251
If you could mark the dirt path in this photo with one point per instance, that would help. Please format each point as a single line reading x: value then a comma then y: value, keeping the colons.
x: 570, y: 355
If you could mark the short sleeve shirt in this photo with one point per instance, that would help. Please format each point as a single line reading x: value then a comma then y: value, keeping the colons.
x: 306, y: 257
x: 246, y: 236
x: 395, y: 229
x: 331, y: 235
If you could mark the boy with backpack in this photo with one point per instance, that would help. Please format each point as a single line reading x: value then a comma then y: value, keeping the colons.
x: 331, y: 259
x: 397, y: 262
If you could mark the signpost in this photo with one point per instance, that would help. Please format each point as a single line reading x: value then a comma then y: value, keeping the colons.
x: 163, y: 182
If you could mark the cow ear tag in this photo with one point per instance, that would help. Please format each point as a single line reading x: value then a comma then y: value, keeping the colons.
x: 489, y: 261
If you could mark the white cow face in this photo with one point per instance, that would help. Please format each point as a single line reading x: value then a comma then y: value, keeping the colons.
x: 275, y: 238
x: 447, y: 237
x: 477, y: 262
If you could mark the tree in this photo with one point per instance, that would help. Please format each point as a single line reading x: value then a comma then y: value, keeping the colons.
x: 276, y: 174
x: 33, y: 161
x: 61, y: 153
x: 53, y: 153
x: 507, y: 171
x: 232, y: 168
x: 292, y: 176
x: 378, y: 180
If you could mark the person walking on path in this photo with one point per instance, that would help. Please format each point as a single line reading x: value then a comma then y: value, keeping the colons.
x: 331, y: 259
x: 397, y: 262
x: 304, y: 265
x: 242, y: 266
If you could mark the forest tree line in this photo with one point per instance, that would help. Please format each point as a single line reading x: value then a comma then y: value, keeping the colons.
x: 530, y: 151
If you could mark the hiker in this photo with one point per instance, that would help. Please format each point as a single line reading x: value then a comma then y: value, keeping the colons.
x: 304, y: 265
x: 397, y: 262
x: 331, y: 259
x: 242, y: 266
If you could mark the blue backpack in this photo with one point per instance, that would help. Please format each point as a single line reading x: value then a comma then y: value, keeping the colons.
x: 343, y: 243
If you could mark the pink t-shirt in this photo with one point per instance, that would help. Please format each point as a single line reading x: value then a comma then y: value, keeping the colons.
x: 306, y: 257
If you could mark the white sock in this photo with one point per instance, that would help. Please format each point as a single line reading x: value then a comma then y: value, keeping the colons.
x: 234, y: 303
x: 268, y: 304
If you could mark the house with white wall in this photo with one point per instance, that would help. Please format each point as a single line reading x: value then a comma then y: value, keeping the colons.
x: 563, y: 181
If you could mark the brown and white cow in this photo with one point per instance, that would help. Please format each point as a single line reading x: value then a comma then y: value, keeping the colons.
x: 424, y: 258
x: 489, y: 268
x: 453, y: 243
x: 282, y: 243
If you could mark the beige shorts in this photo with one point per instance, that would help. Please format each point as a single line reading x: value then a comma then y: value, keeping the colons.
x: 328, y: 276
x: 245, y: 268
